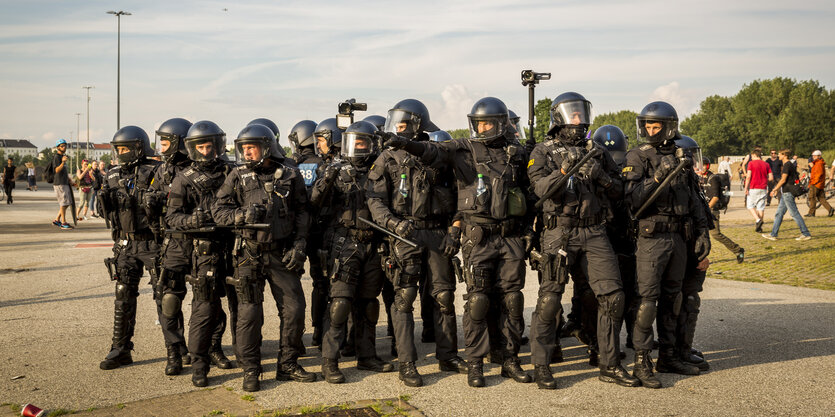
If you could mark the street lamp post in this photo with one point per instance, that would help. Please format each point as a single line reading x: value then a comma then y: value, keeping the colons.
x: 88, y: 87
x: 77, y: 129
x: 118, y: 15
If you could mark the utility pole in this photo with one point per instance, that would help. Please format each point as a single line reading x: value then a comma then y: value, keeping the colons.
x: 88, y: 114
x: 118, y: 15
x: 77, y: 129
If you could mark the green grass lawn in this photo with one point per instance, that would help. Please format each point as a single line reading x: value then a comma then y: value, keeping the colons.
x: 804, y: 264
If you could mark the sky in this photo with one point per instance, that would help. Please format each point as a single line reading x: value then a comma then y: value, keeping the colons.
x: 293, y: 60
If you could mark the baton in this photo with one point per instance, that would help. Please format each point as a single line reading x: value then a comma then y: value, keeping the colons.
x: 574, y: 169
x: 664, y: 184
x: 394, y: 235
x: 214, y: 227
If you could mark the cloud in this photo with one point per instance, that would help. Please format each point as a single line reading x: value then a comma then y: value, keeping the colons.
x: 685, y: 101
x: 457, y: 103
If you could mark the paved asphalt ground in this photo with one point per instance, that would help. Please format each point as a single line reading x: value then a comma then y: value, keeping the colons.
x: 771, y: 348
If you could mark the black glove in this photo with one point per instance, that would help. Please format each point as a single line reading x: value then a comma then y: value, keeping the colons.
x: 530, y: 239
x: 668, y: 163
x: 294, y: 258
x: 332, y: 171
x: 254, y: 214
x: 393, y: 141
x: 591, y: 169
x: 688, y: 161
x: 702, y: 246
x: 198, y: 219
x: 150, y: 201
x: 452, y: 241
x: 240, y: 217
x: 570, y: 157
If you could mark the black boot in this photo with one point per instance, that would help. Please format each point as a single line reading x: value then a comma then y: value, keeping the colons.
x: 616, y: 374
x: 686, y: 355
x: 409, y: 375
x: 200, y: 379
x: 544, y: 378
x: 117, y: 357
x: 455, y: 364
x: 184, y: 354
x: 374, y: 364
x: 174, y: 364
x: 512, y: 369
x: 252, y: 380
x: 331, y: 372
x: 475, y: 373
x: 568, y: 328
x: 643, y: 370
x: 293, y: 372
x: 219, y: 359
x: 669, y: 362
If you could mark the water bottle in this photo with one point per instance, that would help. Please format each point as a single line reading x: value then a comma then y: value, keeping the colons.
x: 403, y: 188
x: 482, y: 187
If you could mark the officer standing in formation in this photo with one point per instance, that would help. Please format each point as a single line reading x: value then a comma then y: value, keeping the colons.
x: 417, y: 201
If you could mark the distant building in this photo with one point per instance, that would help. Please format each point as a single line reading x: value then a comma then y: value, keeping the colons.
x: 21, y: 147
x: 94, y: 152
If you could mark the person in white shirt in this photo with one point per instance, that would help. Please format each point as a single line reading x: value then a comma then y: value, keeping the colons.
x: 725, y: 166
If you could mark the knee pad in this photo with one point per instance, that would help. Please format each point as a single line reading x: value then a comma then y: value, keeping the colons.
x: 613, y: 305
x: 170, y: 305
x: 514, y: 303
x: 478, y: 305
x: 548, y: 307
x: 646, y: 315
x: 446, y: 301
x: 404, y: 299
x: 123, y: 291
x: 692, y: 303
x: 372, y: 309
x: 340, y: 309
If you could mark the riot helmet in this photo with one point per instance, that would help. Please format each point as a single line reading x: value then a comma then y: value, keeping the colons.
x: 663, y: 114
x: 198, y: 138
x: 408, y: 118
x: 301, y: 135
x: 376, y: 120
x: 439, y: 136
x: 613, y: 139
x: 265, y: 122
x: 255, y: 144
x: 516, y: 122
x: 359, y: 144
x: 571, y: 116
x: 131, y: 144
x: 488, y: 120
x: 328, y: 137
x: 172, y: 132
x: 692, y: 149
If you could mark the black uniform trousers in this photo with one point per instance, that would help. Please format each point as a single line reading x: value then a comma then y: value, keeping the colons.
x: 286, y: 289
x: 692, y: 285
x: 176, y: 261
x: 494, y: 266
x: 358, y: 276
x: 132, y: 257
x: 590, y: 255
x: 661, y: 261
x: 429, y: 262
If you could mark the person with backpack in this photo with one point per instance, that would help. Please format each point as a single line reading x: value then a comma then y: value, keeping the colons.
x: 756, y: 185
x: 789, y: 189
x: 717, y: 187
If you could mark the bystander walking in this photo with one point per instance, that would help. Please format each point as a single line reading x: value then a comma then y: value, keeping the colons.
x: 717, y: 201
x: 98, y: 180
x: 756, y: 181
x: 85, y: 178
x: 8, y: 180
x: 786, y: 186
x: 61, y: 184
x: 32, y: 183
x: 776, y: 168
x: 817, y: 181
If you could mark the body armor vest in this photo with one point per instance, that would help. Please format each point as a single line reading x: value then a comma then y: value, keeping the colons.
x: 500, y: 169
x: 274, y: 191
x: 581, y: 197
x: 128, y: 186
x: 429, y: 190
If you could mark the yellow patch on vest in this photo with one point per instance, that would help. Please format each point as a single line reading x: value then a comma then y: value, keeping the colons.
x: 530, y: 163
x: 627, y: 169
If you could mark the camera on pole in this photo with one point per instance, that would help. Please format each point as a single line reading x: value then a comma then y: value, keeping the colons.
x: 346, y: 112
x: 530, y: 79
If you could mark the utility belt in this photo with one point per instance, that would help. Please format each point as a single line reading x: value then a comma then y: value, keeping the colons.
x: 177, y: 235
x: 426, y: 224
x: 141, y: 236
x: 256, y: 247
x: 362, y: 236
x: 660, y: 223
x: 503, y: 228
x: 552, y: 222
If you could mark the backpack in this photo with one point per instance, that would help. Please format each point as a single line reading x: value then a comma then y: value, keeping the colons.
x: 49, y: 171
x: 724, y: 190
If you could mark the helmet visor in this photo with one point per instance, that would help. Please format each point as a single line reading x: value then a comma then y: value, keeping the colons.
x: 669, y: 128
x: 487, y: 127
x: 167, y: 144
x: 572, y: 113
x: 520, y: 131
x: 355, y: 144
x: 696, y: 154
x: 202, y: 149
x: 402, y: 123
x: 251, y: 150
x: 127, y: 151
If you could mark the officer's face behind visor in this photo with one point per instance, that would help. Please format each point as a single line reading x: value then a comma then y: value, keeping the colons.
x: 322, y: 144
x: 402, y: 123
x: 164, y: 144
x: 356, y: 145
x: 575, y: 112
x: 653, y: 127
x: 121, y: 150
x: 252, y: 151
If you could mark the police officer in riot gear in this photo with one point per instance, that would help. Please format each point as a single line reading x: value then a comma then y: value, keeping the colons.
x: 328, y: 139
x: 666, y: 224
x: 274, y: 128
x: 267, y: 188
x: 515, y: 121
x: 574, y: 240
x: 416, y: 201
x: 356, y: 272
x: 489, y: 225
x: 170, y: 288
x: 378, y: 121
x: 189, y: 211
x: 135, y: 246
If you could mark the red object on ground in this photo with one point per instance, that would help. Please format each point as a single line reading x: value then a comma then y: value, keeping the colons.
x: 30, y: 410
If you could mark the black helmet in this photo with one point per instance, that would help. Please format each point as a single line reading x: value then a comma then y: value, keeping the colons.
x: 137, y: 142
x: 265, y: 122
x: 439, y: 136
x: 570, y: 109
x: 516, y: 122
x: 329, y: 133
x: 202, y: 132
x: 301, y: 135
x: 658, y: 112
x: 173, y: 131
x: 613, y: 139
x: 359, y: 144
x: 490, y: 110
x: 376, y: 120
x: 259, y: 135
x: 414, y: 114
x: 692, y: 148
